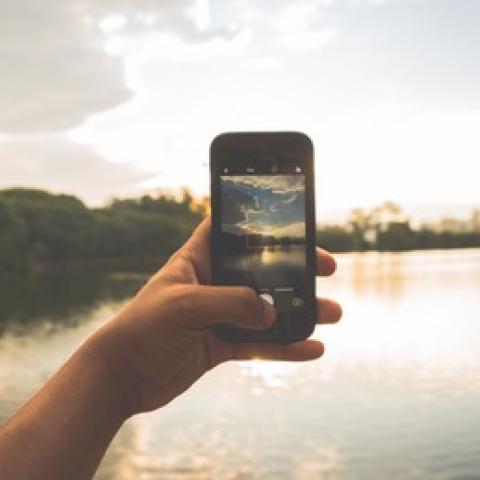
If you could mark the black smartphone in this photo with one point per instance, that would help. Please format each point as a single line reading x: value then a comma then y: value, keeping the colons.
x: 263, y: 227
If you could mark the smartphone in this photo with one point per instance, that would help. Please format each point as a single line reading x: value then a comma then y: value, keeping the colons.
x: 263, y: 227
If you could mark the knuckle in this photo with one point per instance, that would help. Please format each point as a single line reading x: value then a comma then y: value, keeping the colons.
x: 181, y: 299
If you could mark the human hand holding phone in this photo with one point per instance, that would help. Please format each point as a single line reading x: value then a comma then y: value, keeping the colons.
x: 164, y: 339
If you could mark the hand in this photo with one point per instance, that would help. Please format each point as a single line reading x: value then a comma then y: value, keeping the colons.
x: 164, y: 340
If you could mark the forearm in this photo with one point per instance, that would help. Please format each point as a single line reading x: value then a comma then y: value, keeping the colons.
x: 64, y: 430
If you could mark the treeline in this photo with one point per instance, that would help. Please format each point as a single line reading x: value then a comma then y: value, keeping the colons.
x: 395, y: 237
x: 387, y: 228
x: 37, y: 227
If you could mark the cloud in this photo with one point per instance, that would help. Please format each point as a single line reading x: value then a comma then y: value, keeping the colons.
x: 275, y: 183
x: 57, y: 66
x: 57, y: 164
x: 264, y: 203
x: 53, y: 69
x: 302, y: 26
x: 293, y: 229
x: 199, y: 67
x: 203, y: 30
x: 56, y: 70
x: 160, y: 45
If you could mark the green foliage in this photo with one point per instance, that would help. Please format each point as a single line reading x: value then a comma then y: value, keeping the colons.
x: 39, y: 227
x: 13, y: 240
x: 393, y: 236
x: 337, y: 239
x: 397, y: 236
x: 387, y: 228
x: 58, y: 227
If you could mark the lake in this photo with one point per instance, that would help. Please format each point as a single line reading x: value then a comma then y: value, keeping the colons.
x: 267, y: 267
x: 396, y: 396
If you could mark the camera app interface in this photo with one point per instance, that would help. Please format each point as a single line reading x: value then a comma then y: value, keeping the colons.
x: 263, y: 236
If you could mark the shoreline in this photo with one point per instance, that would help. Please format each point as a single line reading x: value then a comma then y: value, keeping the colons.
x: 148, y: 265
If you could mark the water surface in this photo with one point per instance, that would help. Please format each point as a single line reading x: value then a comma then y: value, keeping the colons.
x: 396, y: 396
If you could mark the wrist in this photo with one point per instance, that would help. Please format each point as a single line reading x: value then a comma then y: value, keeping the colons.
x: 101, y: 357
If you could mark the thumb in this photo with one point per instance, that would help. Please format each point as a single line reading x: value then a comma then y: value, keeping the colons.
x: 240, y: 306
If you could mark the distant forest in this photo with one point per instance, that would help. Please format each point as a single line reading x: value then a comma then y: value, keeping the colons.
x: 386, y: 228
x: 393, y: 237
x: 39, y: 228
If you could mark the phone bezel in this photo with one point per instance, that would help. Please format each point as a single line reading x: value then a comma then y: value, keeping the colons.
x: 250, y: 145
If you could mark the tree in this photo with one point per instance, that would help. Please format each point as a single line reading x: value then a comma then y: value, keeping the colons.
x: 40, y: 227
x: 396, y: 236
x: 13, y: 240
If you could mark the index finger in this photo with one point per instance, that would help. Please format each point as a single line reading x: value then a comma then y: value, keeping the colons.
x: 197, y: 248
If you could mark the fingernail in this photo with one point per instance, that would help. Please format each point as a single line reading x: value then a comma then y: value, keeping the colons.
x: 269, y: 313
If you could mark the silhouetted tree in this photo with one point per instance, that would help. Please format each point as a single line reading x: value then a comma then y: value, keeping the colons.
x: 40, y: 227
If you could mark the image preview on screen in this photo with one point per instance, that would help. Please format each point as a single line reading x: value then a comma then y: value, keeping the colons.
x: 263, y: 235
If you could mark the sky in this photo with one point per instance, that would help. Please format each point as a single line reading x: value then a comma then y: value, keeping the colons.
x: 264, y: 204
x: 118, y: 98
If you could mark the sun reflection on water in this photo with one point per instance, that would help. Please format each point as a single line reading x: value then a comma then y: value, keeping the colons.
x: 267, y: 257
x: 269, y: 373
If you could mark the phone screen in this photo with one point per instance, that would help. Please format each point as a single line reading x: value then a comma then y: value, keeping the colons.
x: 263, y: 236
